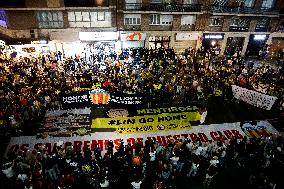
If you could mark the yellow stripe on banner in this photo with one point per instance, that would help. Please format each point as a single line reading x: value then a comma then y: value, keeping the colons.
x: 160, y: 122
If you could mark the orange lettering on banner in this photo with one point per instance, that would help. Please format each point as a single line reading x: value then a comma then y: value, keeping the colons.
x: 116, y: 143
x: 203, y: 137
x: 86, y: 145
x: 131, y: 141
x: 77, y: 145
x: 67, y: 144
x: 169, y: 138
x: 214, y: 135
x: 93, y: 145
x: 222, y: 137
x: 162, y: 140
x: 193, y: 137
x: 228, y: 134
x: 237, y: 134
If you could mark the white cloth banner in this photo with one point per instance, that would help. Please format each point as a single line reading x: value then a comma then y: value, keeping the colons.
x: 212, y: 132
x: 254, y: 98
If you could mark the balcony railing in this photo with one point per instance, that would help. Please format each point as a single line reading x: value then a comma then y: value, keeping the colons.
x: 159, y: 7
x: 242, y: 10
x: 163, y: 7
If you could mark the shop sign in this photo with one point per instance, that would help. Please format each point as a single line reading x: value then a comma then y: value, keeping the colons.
x: 259, y: 37
x: 132, y: 36
x: 98, y: 36
x: 186, y: 36
x: 215, y: 36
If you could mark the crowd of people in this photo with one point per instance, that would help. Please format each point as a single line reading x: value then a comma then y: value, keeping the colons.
x: 257, y: 162
x: 30, y: 85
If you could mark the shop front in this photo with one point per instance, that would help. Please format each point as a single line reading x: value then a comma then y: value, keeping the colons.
x: 156, y: 42
x: 257, y: 44
x: 99, y: 41
x: 36, y: 48
x: 186, y: 40
x: 234, y: 45
x: 212, y: 40
x: 132, y: 39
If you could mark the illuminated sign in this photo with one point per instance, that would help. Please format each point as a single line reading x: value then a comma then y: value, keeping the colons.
x: 98, y: 36
x: 213, y: 36
x: 259, y: 37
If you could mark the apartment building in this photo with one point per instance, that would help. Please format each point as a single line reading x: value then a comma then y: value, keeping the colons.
x: 65, y: 24
x: 230, y: 24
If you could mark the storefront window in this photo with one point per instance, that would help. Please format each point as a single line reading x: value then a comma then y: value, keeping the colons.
x: 132, y: 19
x: 50, y: 19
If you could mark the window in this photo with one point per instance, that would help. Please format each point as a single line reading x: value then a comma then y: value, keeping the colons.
x: 3, y: 20
x: 87, y: 19
x: 216, y: 21
x: 156, y: 19
x: 132, y: 19
x: 248, y: 3
x: 239, y: 24
x: 50, y: 19
x: 267, y: 4
x: 101, y: 16
x: 187, y: 20
x: 262, y: 24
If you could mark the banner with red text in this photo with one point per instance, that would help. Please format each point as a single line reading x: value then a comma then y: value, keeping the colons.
x: 205, y: 133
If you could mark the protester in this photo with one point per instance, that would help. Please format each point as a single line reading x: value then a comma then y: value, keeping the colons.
x: 31, y: 85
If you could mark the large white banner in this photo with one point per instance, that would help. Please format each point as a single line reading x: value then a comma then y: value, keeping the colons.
x: 254, y: 98
x: 205, y: 133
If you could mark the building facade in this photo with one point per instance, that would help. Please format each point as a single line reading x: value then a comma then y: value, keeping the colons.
x: 247, y: 25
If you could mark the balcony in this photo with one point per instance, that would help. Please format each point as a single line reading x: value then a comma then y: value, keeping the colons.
x: 243, y: 10
x: 162, y: 7
x: 86, y: 3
